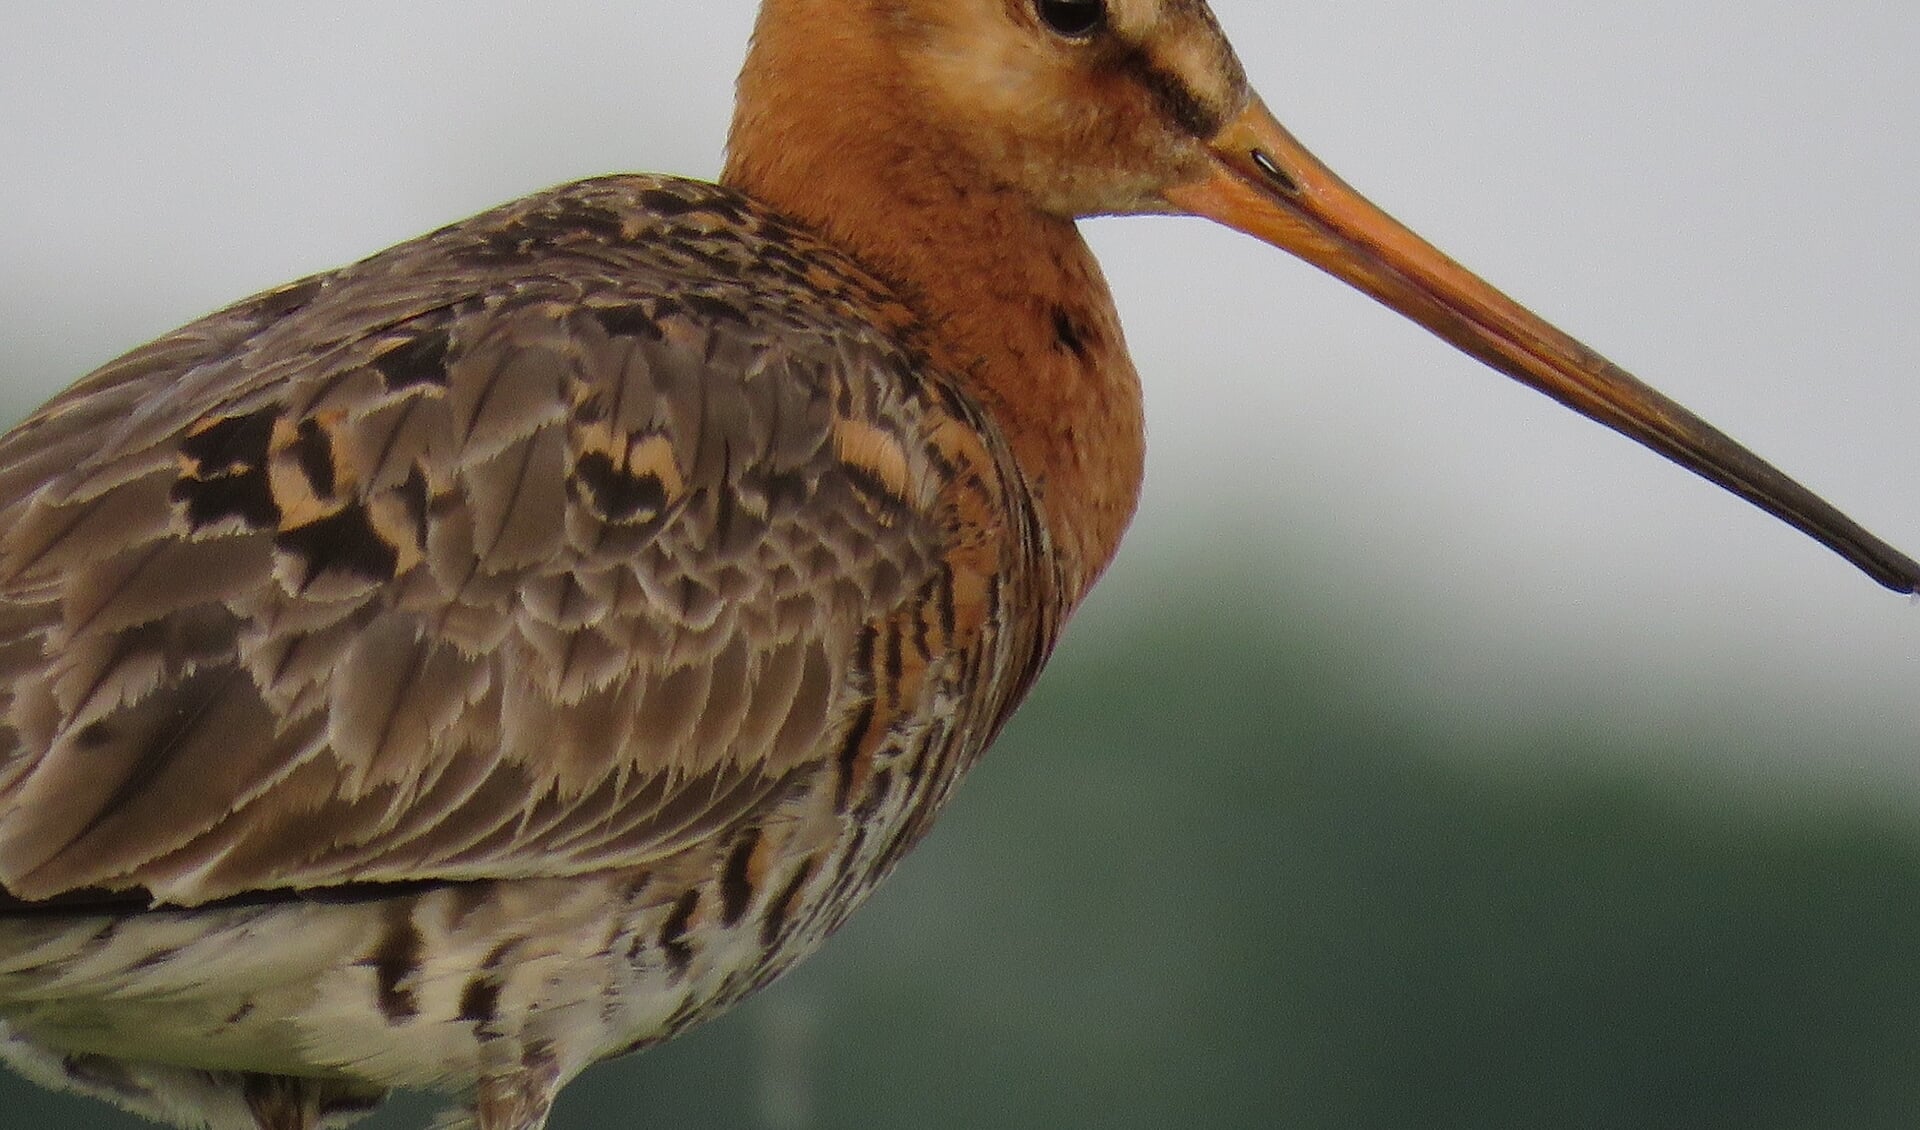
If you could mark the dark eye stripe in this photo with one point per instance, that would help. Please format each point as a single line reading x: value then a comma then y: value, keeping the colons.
x: 1174, y: 97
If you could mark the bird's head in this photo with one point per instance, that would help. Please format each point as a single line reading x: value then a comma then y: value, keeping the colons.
x: 1087, y: 107
x: 1081, y: 107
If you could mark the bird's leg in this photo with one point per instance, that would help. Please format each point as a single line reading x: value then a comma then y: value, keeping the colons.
x: 279, y: 1102
x: 519, y: 1099
x: 284, y: 1102
x: 504, y: 1107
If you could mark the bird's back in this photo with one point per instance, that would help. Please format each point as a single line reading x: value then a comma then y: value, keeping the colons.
x: 621, y: 533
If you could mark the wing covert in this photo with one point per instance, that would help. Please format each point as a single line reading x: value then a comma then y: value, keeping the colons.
x: 439, y: 567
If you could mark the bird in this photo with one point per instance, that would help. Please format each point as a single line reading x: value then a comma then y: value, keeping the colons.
x: 505, y: 652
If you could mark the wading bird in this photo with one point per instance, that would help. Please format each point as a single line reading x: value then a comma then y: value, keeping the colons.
x: 509, y: 650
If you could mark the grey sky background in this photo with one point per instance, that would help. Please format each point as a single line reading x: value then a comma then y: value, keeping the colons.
x: 1719, y: 196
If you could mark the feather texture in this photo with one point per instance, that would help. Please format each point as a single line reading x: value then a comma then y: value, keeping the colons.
x: 433, y: 568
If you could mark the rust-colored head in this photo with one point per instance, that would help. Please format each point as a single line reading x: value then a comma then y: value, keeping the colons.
x: 1080, y: 107
x: 1084, y: 107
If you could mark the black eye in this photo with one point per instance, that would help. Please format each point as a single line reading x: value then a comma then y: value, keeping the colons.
x: 1075, y: 19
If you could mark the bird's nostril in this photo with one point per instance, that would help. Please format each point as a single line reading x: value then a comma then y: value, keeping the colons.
x: 1277, y: 176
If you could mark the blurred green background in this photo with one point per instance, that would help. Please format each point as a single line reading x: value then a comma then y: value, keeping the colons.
x: 1224, y: 873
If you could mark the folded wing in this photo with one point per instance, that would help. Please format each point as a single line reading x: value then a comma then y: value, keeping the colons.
x: 548, y: 543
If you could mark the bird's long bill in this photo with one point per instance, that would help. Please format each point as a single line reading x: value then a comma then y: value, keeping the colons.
x: 1266, y: 184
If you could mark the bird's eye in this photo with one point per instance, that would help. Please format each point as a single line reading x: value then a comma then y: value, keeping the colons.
x: 1074, y: 19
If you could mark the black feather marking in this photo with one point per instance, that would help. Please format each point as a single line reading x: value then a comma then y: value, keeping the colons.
x: 344, y: 542
x: 664, y: 203
x: 480, y: 1000
x: 850, y: 870
x: 781, y: 905
x: 873, y: 488
x: 420, y: 360
x: 413, y: 495
x: 850, y: 754
x: 615, y: 494
x: 394, y: 960
x: 228, y: 477
x: 573, y: 217
x: 247, y: 497
x: 714, y: 310
x: 878, y: 791
x: 314, y: 450
x: 736, y: 882
x: 627, y: 321
x: 230, y: 443
x: 673, y: 934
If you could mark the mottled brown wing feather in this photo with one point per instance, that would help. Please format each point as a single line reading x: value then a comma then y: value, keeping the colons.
x: 543, y: 544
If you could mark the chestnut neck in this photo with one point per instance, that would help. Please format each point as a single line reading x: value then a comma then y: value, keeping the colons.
x: 827, y: 132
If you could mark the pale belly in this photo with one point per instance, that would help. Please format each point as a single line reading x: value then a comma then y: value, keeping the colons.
x: 426, y: 989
